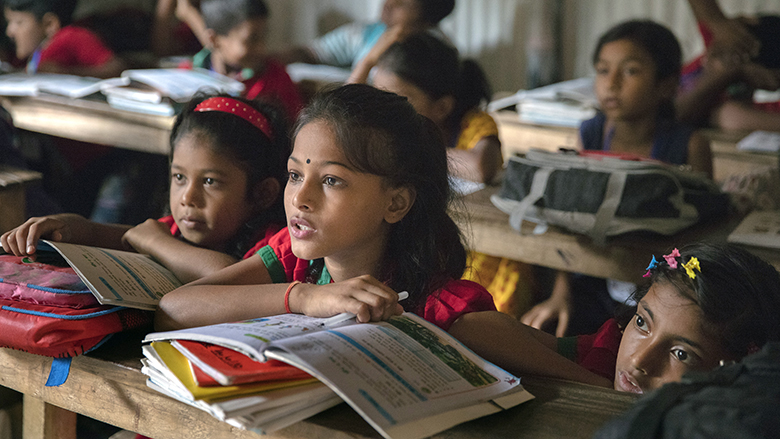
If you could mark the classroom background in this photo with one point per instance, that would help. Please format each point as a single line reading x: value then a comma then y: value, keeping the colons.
x: 519, y: 43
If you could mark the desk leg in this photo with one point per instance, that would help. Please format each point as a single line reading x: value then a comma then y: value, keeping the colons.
x: 46, y: 421
x: 12, y: 206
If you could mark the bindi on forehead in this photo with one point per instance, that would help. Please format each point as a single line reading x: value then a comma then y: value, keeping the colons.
x: 308, y: 161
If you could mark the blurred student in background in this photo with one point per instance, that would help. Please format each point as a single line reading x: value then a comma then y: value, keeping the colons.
x: 235, y: 31
x: 45, y: 38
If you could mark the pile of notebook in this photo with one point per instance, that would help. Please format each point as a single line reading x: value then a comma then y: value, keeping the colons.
x: 151, y: 91
x: 566, y: 103
x: 252, y: 395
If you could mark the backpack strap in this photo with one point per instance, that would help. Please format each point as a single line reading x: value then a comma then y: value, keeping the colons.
x: 608, y: 208
x: 538, y: 186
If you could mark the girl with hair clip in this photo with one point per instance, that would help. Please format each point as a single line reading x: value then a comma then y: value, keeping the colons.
x: 699, y: 306
x: 367, y: 216
x: 637, y: 67
x: 227, y: 163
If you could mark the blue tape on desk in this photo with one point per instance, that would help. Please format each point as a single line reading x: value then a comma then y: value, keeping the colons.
x: 60, y: 368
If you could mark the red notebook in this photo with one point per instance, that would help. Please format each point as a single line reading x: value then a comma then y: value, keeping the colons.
x: 227, y: 367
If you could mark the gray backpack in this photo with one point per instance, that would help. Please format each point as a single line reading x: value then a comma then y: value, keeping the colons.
x: 603, y: 195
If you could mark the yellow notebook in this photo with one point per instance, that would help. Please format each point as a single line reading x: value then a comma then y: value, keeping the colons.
x: 180, y: 367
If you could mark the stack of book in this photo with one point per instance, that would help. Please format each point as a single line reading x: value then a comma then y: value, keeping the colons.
x: 248, y: 394
x: 162, y: 91
x: 22, y: 84
x: 566, y: 103
x: 406, y: 377
x: 151, y: 91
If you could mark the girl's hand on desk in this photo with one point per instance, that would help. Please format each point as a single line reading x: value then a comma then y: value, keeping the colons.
x: 23, y: 240
x: 142, y: 238
x: 364, y: 296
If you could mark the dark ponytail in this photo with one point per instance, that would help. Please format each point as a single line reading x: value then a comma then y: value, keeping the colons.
x: 434, y: 67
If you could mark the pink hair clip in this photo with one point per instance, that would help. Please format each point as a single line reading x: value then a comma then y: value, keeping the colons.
x: 670, y: 258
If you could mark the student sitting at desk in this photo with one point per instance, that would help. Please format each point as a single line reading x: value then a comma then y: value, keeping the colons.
x: 236, y: 31
x: 448, y: 91
x: 349, y: 44
x: 43, y: 35
x: 227, y: 172
x: 367, y: 217
x: 687, y: 317
x: 637, y: 71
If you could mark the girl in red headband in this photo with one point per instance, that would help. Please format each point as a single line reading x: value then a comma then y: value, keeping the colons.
x: 367, y: 203
x: 228, y: 159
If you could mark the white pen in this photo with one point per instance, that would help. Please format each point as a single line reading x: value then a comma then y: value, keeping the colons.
x: 338, y: 318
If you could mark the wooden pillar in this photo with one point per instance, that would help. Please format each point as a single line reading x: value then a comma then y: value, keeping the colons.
x: 46, y: 421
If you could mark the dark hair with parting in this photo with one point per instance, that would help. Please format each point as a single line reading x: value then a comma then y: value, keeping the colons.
x: 63, y: 9
x: 380, y: 133
x: 258, y: 155
x: 222, y: 16
x: 658, y: 41
x: 738, y: 293
x: 434, y: 67
x: 434, y: 11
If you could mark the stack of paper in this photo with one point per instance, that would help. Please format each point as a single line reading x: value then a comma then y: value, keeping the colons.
x: 566, y: 103
x: 162, y: 91
x: 405, y: 377
x: 259, y: 396
x: 22, y: 84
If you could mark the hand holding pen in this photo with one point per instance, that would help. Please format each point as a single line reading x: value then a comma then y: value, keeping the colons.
x: 339, y: 318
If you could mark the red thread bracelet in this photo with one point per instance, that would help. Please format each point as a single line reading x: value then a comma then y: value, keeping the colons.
x: 287, y: 296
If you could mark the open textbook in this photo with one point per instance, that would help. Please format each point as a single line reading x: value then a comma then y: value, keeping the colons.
x: 405, y: 377
x: 115, y: 277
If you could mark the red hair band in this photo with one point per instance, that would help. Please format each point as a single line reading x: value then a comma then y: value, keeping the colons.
x: 240, y: 109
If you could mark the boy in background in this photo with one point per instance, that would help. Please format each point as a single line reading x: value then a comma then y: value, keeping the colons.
x: 43, y: 36
x: 236, y: 33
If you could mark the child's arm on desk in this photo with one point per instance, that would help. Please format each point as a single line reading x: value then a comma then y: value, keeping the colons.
x: 518, y: 348
x: 244, y: 291
x: 185, y: 260
x: 66, y: 227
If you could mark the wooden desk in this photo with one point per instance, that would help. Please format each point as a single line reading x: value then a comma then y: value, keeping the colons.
x: 487, y: 230
x: 90, y: 121
x: 108, y: 385
x: 519, y: 137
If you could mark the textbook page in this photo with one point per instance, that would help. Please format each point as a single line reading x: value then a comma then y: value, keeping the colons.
x: 250, y: 337
x: 117, y: 277
x: 406, y: 377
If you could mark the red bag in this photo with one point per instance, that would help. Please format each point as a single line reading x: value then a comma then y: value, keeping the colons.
x: 47, y: 310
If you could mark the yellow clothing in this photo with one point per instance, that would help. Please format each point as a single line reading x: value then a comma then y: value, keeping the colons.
x: 475, y: 126
x: 510, y: 282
